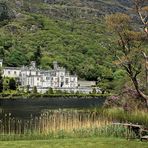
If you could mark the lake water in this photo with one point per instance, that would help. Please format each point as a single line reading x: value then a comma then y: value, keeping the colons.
x: 47, y: 114
x: 23, y: 108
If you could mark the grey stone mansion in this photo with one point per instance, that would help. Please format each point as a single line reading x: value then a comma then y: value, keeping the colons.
x: 57, y: 78
x: 31, y: 76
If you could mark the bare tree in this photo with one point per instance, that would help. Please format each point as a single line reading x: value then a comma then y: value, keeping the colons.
x: 129, y: 55
x: 142, y: 11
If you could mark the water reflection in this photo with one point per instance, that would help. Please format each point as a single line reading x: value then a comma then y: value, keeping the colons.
x: 20, y: 118
x: 22, y: 108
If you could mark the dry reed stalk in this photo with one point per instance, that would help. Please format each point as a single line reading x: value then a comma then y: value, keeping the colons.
x: 53, y: 121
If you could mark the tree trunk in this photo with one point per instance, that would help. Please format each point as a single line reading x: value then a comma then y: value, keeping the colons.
x: 146, y: 70
x: 145, y: 97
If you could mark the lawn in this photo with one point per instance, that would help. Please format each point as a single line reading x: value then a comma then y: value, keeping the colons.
x: 75, y: 143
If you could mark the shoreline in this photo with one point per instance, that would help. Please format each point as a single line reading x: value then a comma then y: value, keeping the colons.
x: 53, y: 102
x: 42, y: 96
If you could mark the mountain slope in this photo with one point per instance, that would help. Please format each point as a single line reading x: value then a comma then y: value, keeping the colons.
x: 72, y: 8
x: 68, y: 31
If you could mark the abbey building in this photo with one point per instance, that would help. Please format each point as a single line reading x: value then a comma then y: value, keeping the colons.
x: 31, y: 76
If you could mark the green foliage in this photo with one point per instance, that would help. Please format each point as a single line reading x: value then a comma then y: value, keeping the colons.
x: 94, y: 91
x: 6, y: 83
x: 34, y: 90
x: 79, y: 44
x: 120, y: 79
x: 12, y: 84
x: 37, y: 56
x: 105, y: 85
x: 16, y: 58
x: 46, y: 62
x: 27, y: 89
x: 134, y: 117
x: 58, y: 92
x: 119, y: 74
x: 81, y: 51
x: 50, y: 91
x: 5, y: 13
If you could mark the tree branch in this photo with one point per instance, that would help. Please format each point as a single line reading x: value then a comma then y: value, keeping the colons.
x: 124, y: 65
x: 142, y: 18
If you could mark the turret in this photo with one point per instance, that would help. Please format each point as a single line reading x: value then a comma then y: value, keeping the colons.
x: 55, y: 65
x: 33, y: 64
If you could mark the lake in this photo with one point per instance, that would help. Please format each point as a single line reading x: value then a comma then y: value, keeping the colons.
x: 47, y: 114
x: 23, y: 108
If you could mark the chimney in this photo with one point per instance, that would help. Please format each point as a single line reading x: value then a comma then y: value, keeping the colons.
x: 55, y: 65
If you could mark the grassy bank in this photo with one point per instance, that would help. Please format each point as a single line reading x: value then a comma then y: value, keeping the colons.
x: 122, y: 115
x: 116, y: 131
x: 75, y: 143
x: 37, y: 95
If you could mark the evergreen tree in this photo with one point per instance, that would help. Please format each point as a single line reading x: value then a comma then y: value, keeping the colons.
x: 5, y: 83
x: 34, y: 90
x: 94, y: 91
x: 27, y: 89
x: 12, y: 84
x: 50, y: 91
x: 4, y: 14
x: 37, y: 56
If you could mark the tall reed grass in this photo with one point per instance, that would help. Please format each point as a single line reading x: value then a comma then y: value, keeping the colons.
x: 71, y: 123
x: 118, y: 131
x: 119, y: 115
x: 52, y: 121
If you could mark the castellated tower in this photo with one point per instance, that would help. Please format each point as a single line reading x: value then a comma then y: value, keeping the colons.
x: 55, y: 65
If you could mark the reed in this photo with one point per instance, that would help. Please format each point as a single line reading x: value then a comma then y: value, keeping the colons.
x: 52, y: 121
x: 119, y: 115
x: 105, y: 131
x: 70, y: 123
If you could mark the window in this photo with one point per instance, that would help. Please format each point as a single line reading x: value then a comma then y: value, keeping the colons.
x: 62, y: 77
x: 67, y: 81
x: 41, y: 80
x: 8, y: 72
x: 47, y: 78
x: 15, y: 72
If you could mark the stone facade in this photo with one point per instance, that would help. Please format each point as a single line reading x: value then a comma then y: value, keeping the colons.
x: 31, y: 76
